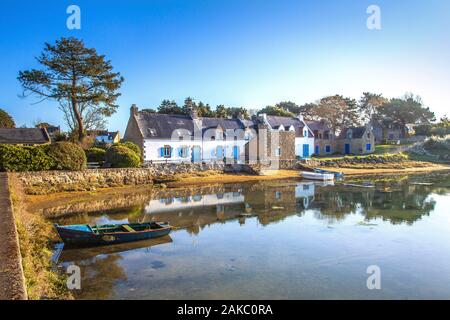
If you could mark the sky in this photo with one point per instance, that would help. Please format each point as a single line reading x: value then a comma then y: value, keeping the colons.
x: 250, y: 53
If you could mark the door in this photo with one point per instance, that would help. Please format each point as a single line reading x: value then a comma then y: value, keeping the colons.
x: 236, y: 153
x: 347, y: 148
x: 196, y: 154
x: 317, y: 150
x: 305, y: 150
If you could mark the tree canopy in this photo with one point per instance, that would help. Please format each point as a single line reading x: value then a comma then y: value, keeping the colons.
x: 409, y: 109
x: 276, y: 111
x: 79, y: 79
x: 369, y: 105
x: 6, y: 121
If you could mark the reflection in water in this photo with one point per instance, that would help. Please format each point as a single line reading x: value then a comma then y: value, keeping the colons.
x: 394, y: 200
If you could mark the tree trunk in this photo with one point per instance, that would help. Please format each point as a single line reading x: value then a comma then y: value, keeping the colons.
x: 76, y: 112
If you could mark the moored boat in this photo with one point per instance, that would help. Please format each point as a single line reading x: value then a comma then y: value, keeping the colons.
x: 85, y: 235
x: 335, y: 173
x: 317, y: 176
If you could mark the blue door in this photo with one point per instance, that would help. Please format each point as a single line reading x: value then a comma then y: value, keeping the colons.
x: 347, y: 148
x: 196, y: 154
x: 236, y: 152
x: 305, y: 150
x: 317, y: 150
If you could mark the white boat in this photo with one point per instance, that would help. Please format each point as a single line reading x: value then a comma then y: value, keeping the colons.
x: 317, y: 176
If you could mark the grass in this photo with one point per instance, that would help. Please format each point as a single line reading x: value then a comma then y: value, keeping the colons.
x: 34, y: 232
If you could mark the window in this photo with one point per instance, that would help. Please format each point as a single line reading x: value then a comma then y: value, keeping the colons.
x: 166, y: 152
x: 368, y: 147
x: 305, y: 133
x: 349, y: 134
x: 213, y: 138
x: 278, y: 152
x: 326, y: 135
x: 328, y: 149
x: 183, y: 152
x: 368, y: 135
x: 152, y: 132
x: 278, y: 195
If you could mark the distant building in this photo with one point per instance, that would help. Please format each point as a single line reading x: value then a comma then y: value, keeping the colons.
x: 324, y: 138
x: 101, y: 136
x: 24, y: 136
x: 387, y: 131
x: 356, y: 140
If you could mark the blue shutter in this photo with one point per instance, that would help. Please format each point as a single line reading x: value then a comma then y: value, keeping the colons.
x: 161, y: 152
x: 171, y: 151
x: 180, y: 152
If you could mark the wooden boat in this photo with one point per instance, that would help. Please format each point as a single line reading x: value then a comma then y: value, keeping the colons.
x: 85, y: 235
x: 336, y: 174
x: 317, y: 176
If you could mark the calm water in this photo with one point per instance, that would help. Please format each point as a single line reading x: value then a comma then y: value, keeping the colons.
x: 274, y: 240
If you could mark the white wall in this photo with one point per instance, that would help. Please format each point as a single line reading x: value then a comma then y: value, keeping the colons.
x: 300, y: 141
x: 152, y: 147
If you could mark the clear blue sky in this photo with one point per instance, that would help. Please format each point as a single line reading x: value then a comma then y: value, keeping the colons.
x: 238, y: 53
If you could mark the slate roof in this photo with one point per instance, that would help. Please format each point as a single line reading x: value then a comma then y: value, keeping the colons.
x: 24, y: 136
x: 318, y: 125
x: 276, y: 121
x: 358, y: 132
x: 161, y: 126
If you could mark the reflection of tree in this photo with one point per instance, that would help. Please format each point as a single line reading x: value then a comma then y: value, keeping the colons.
x: 98, y: 277
x: 405, y: 204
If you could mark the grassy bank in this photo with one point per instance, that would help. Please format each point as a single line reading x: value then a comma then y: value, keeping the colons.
x: 34, y: 232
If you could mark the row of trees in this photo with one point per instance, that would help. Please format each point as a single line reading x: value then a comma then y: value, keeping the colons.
x: 85, y: 87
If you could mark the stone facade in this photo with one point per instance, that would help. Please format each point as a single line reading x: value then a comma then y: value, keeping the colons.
x: 356, y: 141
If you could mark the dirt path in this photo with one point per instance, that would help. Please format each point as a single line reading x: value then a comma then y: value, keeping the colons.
x: 12, y: 282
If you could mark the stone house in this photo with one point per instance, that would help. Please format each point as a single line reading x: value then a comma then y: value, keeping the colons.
x: 356, y: 140
x: 387, y: 131
x: 24, y: 136
x: 304, y: 137
x: 324, y: 139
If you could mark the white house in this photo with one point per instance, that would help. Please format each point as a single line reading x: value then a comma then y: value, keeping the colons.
x: 183, y: 138
x: 304, y: 136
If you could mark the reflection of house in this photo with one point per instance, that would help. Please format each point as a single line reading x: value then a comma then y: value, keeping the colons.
x: 182, y: 138
x: 187, y: 203
x: 324, y: 138
x: 356, y: 140
x: 24, y: 136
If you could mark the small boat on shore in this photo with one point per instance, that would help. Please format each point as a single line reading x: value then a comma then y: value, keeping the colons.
x: 317, y: 176
x: 85, y: 235
x: 335, y: 173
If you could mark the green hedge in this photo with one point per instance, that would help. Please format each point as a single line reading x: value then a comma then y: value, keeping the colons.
x: 130, y: 145
x: 95, y: 155
x: 122, y: 157
x: 67, y: 156
x: 17, y: 158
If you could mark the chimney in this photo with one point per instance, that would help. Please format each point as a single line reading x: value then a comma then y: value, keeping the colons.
x: 300, y: 117
x: 134, y: 110
x: 193, y: 113
x: 263, y: 117
x: 240, y: 116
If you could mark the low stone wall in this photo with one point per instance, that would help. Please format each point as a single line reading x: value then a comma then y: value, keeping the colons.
x: 345, y: 161
x: 47, y: 182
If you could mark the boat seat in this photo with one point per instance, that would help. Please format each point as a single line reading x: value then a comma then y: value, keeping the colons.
x: 128, y: 228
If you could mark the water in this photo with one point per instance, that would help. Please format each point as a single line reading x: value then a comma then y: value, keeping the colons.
x: 274, y: 240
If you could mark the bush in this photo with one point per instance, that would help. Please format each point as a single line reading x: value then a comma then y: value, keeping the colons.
x: 122, y: 157
x: 132, y: 146
x: 17, y: 158
x: 95, y: 155
x: 67, y: 156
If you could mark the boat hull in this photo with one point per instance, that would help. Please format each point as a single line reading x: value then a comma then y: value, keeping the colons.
x: 89, y: 238
x: 317, y: 176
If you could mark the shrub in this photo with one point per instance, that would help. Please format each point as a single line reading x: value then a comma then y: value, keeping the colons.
x: 122, y: 157
x: 67, y: 156
x: 18, y: 158
x: 95, y: 155
x: 132, y: 146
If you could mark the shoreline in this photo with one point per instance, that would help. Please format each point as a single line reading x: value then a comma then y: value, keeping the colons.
x: 214, y: 179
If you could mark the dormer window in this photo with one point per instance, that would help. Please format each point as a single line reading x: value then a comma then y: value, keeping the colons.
x: 305, y: 133
x: 152, y: 132
x: 349, y: 134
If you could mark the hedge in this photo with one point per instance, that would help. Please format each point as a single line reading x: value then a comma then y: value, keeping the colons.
x: 67, y: 156
x: 130, y: 145
x: 18, y: 158
x: 122, y: 157
x: 95, y: 155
